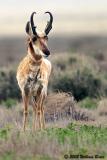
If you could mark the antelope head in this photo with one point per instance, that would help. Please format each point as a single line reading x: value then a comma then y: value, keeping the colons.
x: 37, y: 40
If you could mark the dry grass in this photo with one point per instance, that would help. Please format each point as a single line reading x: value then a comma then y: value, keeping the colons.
x: 59, y: 107
x: 102, y: 107
x: 29, y: 145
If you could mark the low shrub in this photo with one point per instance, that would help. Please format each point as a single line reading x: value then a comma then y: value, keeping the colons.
x: 72, y: 60
x: 88, y: 103
x: 99, y: 56
x: 9, y: 102
x: 81, y: 84
x: 8, y: 85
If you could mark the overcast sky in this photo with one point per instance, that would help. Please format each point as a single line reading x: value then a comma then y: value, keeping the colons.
x: 71, y: 13
x: 56, y: 6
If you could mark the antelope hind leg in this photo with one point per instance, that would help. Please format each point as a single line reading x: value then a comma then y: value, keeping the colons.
x: 25, y: 113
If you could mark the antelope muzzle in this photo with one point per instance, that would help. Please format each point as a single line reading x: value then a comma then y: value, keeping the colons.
x: 45, y: 49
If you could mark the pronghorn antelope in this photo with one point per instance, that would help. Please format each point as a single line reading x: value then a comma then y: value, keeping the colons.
x: 34, y: 71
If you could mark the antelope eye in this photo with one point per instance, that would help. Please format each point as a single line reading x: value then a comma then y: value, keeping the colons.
x: 46, y: 37
x: 34, y: 39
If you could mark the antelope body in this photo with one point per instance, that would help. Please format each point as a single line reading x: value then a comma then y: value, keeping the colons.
x: 34, y: 71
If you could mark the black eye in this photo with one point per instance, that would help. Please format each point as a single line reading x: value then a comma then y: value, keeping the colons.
x: 46, y: 37
x: 34, y: 39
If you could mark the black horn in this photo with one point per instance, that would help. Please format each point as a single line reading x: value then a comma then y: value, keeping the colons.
x: 32, y: 24
x: 49, y: 23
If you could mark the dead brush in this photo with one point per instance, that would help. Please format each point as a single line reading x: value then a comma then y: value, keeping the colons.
x: 62, y: 105
x: 102, y: 107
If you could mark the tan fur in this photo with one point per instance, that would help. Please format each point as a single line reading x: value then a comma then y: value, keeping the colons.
x: 31, y: 66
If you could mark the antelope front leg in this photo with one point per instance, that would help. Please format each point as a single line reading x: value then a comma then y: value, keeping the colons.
x: 37, y: 121
x: 41, y: 113
x: 35, y: 116
x: 25, y: 113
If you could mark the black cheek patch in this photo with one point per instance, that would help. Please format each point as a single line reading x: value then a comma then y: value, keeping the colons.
x: 34, y: 39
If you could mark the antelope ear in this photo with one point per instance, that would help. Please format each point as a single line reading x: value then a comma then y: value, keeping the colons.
x: 28, y: 28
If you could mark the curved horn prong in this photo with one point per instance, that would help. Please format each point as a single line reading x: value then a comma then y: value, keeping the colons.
x: 32, y: 24
x: 49, y: 24
x: 28, y: 29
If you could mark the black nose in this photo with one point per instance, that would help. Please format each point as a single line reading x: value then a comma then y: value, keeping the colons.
x: 46, y: 52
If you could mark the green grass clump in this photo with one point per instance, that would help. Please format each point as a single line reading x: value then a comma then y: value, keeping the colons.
x: 4, y: 132
x: 73, y: 132
x: 9, y: 102
x: 7, y: 156
x: 88, y: 103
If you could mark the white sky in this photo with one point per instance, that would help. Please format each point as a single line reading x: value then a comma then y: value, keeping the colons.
x: 72, y: 13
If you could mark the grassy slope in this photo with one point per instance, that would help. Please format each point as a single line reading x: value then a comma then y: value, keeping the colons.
x: 53, y: 143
